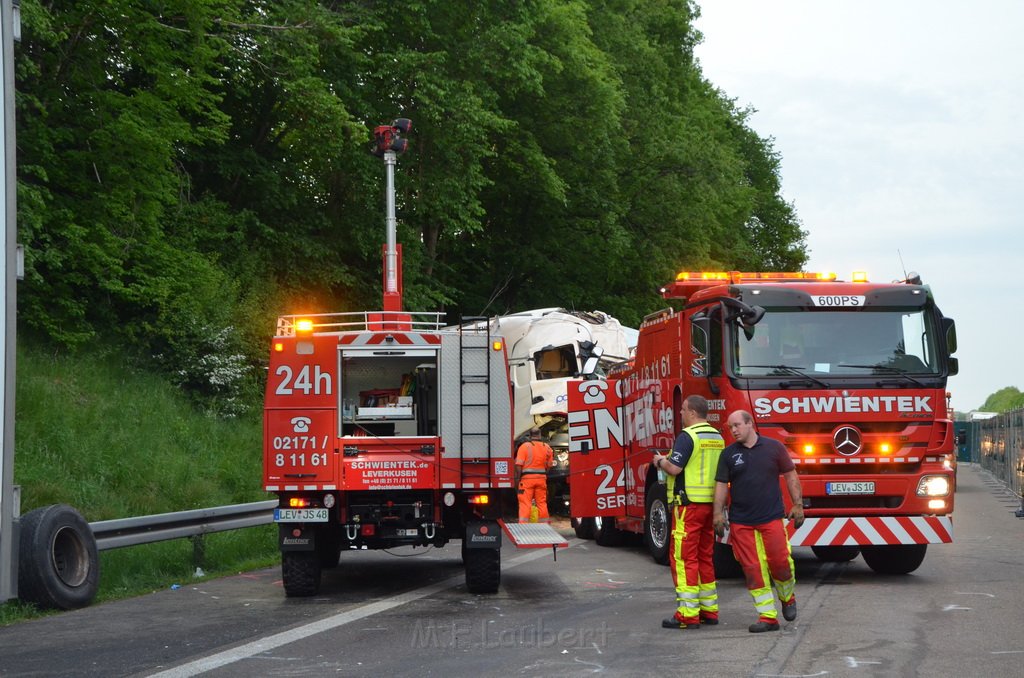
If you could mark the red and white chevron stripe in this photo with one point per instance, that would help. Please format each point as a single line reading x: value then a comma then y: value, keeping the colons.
x: 398, y: 338
x: 866, y: 531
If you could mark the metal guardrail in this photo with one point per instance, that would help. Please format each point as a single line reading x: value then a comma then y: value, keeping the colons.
x: 113, y: 534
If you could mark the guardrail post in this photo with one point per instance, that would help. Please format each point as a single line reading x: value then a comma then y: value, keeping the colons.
x: 198, y: 551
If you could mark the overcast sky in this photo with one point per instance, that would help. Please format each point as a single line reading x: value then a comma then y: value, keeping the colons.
x: 901, y: 130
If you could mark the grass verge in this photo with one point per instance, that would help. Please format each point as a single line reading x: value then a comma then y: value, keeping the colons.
x: 115, y: 443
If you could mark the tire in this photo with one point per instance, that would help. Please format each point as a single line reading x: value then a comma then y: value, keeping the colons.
x: 328, y: 548
x: 300, y: 573
x: 605, y: 532
x: 483, y: 570
x: 584, y: 528
x: 658, y: 524
x: 726, y: 565
x: 835, y: 554
x: 902, y: 559
x: 58, y: 563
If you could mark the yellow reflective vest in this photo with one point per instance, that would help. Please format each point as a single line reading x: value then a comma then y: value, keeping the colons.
x: 699, y: 474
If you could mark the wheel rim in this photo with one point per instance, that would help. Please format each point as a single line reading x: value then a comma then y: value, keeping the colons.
x: 658, y: 524
x: 69, y: 557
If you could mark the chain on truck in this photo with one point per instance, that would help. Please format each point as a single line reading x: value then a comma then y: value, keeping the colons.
x: 387, y: 428
x: 849, y: 376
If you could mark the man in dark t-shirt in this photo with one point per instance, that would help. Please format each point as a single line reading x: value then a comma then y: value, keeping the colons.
x: 748, y: 471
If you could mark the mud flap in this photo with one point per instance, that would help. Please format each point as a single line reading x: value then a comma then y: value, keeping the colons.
x: 296, y: 537
x: 484, y: 534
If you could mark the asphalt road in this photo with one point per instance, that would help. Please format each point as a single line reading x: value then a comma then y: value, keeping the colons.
x: 593, y: 611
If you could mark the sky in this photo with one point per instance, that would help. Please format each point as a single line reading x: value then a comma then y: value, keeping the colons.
x: 900, y: 126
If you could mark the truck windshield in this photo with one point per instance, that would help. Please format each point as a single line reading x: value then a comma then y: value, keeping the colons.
x: 884, y: 340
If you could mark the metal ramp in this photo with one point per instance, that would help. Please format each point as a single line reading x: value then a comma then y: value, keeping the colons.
x: 534, y: 536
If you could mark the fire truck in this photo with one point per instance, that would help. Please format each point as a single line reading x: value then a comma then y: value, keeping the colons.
x: 849, y: 376
x: 388, y: 428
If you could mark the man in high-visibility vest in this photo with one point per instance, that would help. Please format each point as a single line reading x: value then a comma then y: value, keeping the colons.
x: 749, y: 473
x: 533, y: 459
x: 691, y: 491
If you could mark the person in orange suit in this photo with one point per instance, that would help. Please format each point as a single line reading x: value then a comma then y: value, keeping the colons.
x: 533, y: 459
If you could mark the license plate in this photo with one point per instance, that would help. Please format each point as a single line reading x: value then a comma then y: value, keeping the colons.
x: 862, y: 487
x: 307, y: 515
x: 408, y: 533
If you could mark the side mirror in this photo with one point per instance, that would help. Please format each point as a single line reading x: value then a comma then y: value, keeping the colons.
x: 954, y: 366
x: 750, y: 318
x: 949, y: 327
x: 591, y: 354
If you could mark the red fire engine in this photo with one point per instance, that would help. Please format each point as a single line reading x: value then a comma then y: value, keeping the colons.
x: 849, y: 376
x: 385, y: 428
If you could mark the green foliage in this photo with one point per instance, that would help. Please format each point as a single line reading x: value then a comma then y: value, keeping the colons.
x: 114, y: 442
x: 189, y: 170
x: 1003, y: 400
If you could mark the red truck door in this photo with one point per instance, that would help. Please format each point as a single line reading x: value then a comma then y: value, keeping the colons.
x: 597, y: 454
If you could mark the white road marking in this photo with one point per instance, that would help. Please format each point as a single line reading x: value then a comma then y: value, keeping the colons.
x: 255, y: 647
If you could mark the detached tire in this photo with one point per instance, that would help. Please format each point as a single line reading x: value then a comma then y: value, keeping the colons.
x: 483, y: 570
x: 58, y: 565
x: 300, y: 573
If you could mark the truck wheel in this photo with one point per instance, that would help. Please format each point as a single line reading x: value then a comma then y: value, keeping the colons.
x: 300, y: 572
x: 605, y: 532
x: 835, y: 554
x: 58, y: 564
x: 584, y: 527
x: 483, y: 570
x: 726, y: 565
x: 902, y: 559
x: 658, y: 526
x: 328, y: 548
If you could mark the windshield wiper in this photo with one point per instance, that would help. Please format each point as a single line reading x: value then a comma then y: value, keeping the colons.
x: 791, y: 370
x: 888, y: 369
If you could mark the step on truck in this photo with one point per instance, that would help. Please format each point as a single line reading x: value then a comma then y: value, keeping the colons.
x: 388, y: 428
x: 849, y: 376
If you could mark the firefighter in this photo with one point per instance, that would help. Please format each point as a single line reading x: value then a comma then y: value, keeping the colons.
x: 749, y: 471
x: 691, y: 489
x: 533, y: 459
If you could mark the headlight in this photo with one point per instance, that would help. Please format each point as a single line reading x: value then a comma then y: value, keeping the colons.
x: 933, y: 486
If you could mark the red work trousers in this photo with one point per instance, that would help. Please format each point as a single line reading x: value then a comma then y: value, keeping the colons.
x: 765, y: 555
x: 691, y: 561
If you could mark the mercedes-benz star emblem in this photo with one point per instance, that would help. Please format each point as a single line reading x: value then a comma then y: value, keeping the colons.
x: 846, y: 440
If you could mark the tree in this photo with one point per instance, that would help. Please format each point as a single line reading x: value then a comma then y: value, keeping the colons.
x: 1007, y: 398
x: 189, y: 170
